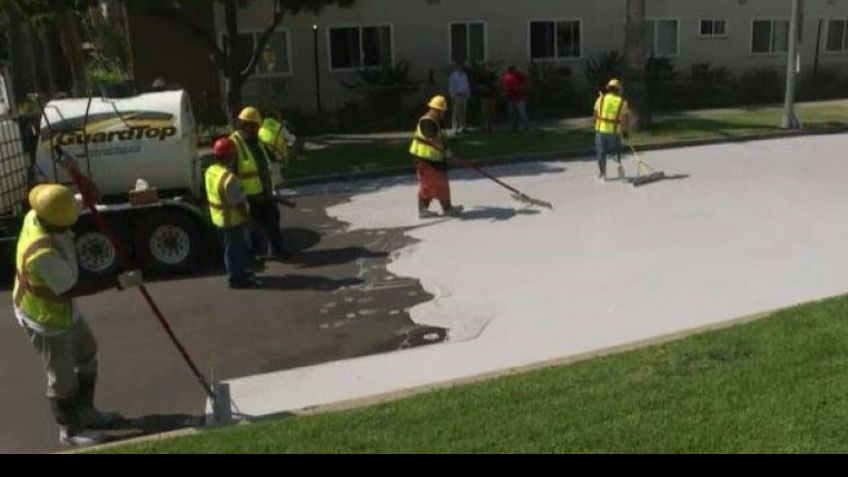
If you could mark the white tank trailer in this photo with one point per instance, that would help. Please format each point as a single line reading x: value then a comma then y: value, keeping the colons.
x: 117, y: 142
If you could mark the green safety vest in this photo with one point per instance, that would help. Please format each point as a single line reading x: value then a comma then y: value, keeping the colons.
x: 31, y: 294
x: 224, y: 214
x: 422, y: 149
x: 248, y: 172
x: 608, y: 113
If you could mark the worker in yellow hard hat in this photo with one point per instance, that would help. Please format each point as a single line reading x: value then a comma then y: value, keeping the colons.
x: 46, y: 284
x: 612, y: 118
x: 431, y: 154
x: 253, y: 168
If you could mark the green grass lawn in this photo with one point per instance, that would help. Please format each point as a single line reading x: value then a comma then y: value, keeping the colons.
x: 393, y: 153
x: 775, y: 385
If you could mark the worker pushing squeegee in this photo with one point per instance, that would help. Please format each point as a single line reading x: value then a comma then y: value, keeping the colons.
x: 612, y: 120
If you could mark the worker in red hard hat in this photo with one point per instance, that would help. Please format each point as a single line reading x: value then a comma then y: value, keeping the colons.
x: 230, y: 214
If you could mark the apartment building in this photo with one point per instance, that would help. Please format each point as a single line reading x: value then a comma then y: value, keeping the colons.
x: 312, y: 53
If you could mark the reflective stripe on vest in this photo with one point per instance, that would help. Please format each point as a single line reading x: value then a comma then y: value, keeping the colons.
x: 223, y: 213
x: 421, y: 147
x: 31, y: 295
x: 248, y: 172
x: 608, y: 115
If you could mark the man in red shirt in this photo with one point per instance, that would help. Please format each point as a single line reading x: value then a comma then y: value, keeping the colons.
x: 515, y: 86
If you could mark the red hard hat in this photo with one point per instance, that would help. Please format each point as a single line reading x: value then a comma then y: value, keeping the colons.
x: 223, y: 147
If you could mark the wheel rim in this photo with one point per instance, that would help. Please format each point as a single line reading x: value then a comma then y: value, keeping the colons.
x: 170, y: 245
x: 95, y: 252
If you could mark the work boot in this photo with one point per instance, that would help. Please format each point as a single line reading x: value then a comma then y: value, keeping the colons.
x: 82, y: 438
x: 426, y: 214
x: 601, y: 179
x: 454, y: 211
x: 89, y: 416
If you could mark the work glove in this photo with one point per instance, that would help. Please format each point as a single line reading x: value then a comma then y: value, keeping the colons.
x: 69, y: 163
x: 131, y: 279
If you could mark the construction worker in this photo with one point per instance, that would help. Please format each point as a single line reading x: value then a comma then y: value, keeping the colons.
x: 46, y: 284
x: 277, y: 137
x: 431, y: 154
x: 254, y: 172
x: 230, y: 213
x: 611, y: 121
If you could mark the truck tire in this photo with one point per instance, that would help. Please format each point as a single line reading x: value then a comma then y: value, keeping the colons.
x: 96, y: 257
x: 169, y: 242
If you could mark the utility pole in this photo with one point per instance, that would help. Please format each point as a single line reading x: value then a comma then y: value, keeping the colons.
x: 790, y: 120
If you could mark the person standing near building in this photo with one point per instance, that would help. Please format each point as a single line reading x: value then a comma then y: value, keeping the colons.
x: 431, y: 155
x: 487, y: 90
x: 611, y: 121
x: 254, y: 172
x: 460, y: 92
x: 515, y: 87
x: 46, y: 284
x: 230, y: 214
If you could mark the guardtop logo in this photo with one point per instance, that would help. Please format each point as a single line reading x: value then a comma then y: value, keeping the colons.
x: 138, y: 126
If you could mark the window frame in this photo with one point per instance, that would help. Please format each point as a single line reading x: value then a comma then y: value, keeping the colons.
x: 360, y: 28
x: 467, y: 23
x: 256, y: 34
x: 654, y: 46
x: 713, y: 21
x: 844, y: 41
x: 771, y: 51
x: 556, y: 57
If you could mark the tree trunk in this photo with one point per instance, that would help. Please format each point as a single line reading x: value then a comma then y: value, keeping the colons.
x: 72, y: 47
x: 48, y: 60
x: 233, y: 91
x: 232, y: 75
x: 635, y: 61
x: 790, y: 120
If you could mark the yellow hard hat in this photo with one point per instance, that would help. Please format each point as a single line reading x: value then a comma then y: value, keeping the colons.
x: 439, y: 103
x: 250, y: 115
x: 614, y: 83
x: 55, y: 204
x: 33, y: 194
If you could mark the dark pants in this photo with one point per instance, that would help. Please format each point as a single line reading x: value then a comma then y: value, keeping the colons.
x: 237, y: 258
x: 518, y: 115
x: 265, y: 228
x: 607, y: 144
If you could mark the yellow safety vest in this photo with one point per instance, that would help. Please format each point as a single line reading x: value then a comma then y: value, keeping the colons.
x: 31, y: 294
x: 608, y: 112
x: 224, y: 214
x: 248, y: 172
x: 421, y: 147
x: 271, y: 133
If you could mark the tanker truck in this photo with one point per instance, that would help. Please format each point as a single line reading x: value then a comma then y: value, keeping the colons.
x: 142, y: 154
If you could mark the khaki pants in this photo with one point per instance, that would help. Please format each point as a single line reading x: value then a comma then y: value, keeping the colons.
x: 460, y: 108
x: 65, y: 358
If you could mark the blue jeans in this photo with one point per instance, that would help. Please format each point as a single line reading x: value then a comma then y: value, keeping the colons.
x: 518, y: 115
x: 236, y: 257
x: 606, y: 143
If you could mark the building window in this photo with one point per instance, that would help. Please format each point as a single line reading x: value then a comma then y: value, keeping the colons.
x: 770, y: 36
x: 468, y: 42
x: 555, y: 40
x: 713, y: 28
x: 661, y: 37
x: 273, y: 60
x: 837, y: 39
x: 360, y: 47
